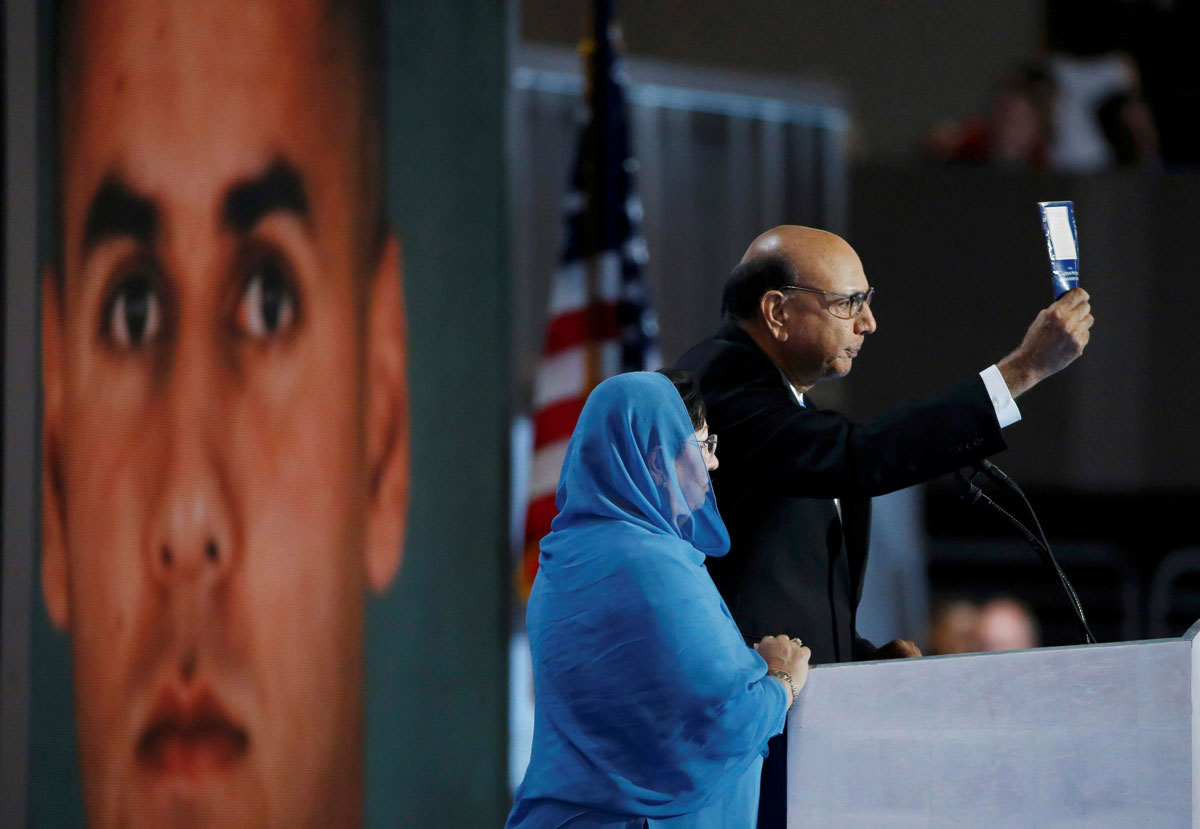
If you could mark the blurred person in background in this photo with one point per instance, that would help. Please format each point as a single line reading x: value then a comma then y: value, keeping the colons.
x: 953, y: 627
x: 1090, y: 47
x: 1128, y: 126
x: 1017, y: 131
x: 1000, y: 623
x: 1084, y: 83
x: 1007, y: 624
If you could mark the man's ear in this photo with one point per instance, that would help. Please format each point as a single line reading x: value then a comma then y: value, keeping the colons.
x: 386, y: 419
x: 54, y: 554
x: 774, y: 316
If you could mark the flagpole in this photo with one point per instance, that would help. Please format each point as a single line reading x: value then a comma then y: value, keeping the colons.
x: 601, y: 321
x: 598, y: 66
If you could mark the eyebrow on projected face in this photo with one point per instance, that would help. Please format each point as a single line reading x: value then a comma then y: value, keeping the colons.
x: 118, y: 211
x: 279, y: 188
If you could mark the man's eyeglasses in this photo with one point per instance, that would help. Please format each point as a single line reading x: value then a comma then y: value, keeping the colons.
x: 846, y: 306
x: 709, y: 443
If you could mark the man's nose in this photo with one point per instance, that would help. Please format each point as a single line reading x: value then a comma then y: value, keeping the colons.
x: 864, y: 323
x: 191, y: 538
x: 191, y: 541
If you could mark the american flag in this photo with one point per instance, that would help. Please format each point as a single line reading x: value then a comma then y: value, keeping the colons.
x: 600, y: 320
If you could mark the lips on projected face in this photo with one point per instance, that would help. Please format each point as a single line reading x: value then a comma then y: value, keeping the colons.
x: 188, y: 739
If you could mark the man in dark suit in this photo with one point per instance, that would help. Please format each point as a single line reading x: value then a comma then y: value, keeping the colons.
x: 795, y: 482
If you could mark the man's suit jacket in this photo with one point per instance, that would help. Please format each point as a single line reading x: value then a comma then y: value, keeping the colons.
x: 794, y: 567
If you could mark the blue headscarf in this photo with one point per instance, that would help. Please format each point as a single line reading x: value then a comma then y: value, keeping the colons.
x: 648, y: 702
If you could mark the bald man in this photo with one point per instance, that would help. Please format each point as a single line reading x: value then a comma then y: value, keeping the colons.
x: 795, y: 481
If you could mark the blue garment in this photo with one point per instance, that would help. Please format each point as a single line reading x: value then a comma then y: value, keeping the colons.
x: 648, y: 704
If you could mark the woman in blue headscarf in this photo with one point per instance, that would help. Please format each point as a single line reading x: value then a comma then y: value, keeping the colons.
x: 649, y: 707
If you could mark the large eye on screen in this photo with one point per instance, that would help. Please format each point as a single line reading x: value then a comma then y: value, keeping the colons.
x: 267, y: 307
x: 134, y: 311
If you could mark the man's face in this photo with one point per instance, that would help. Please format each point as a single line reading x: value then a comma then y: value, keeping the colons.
x: 221, y: 481
x: 820, y: 345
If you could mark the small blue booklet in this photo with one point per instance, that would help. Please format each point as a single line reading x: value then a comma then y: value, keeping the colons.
x: 1058, y: 220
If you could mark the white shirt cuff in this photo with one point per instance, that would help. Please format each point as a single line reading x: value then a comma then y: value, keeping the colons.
x: 1007, y: 412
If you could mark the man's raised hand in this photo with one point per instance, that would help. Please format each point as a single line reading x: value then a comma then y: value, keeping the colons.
x: 1057, y: 336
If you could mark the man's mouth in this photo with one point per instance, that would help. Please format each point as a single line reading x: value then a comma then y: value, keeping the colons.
x: 190, y: 737
x: 852, y: 352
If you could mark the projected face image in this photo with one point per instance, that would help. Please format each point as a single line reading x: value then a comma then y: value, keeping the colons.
x: 225, y: 421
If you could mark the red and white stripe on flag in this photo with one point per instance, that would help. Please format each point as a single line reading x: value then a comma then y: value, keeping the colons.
x: 581, y: 348
x: 600, y: 320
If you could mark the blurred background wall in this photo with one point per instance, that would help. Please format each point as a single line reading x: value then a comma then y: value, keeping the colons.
x: 903, y: 65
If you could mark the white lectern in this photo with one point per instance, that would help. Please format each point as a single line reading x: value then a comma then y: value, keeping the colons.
x: 1087, y: 736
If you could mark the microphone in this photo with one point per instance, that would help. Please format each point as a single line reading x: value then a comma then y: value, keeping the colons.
x: 968, y: 491
x: 971, y: 493
x: 996, y: 474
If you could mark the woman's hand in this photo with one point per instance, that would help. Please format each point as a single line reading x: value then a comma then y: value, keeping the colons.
x: 787, y: 655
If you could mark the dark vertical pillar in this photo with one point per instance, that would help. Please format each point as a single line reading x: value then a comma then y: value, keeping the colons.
x: 437, y: 650
x: 19, y: 393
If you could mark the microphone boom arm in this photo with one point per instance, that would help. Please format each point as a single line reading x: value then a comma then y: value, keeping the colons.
x: 973, y: 494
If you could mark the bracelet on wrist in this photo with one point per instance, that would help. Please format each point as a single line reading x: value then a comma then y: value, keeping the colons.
x: 786, y: 677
